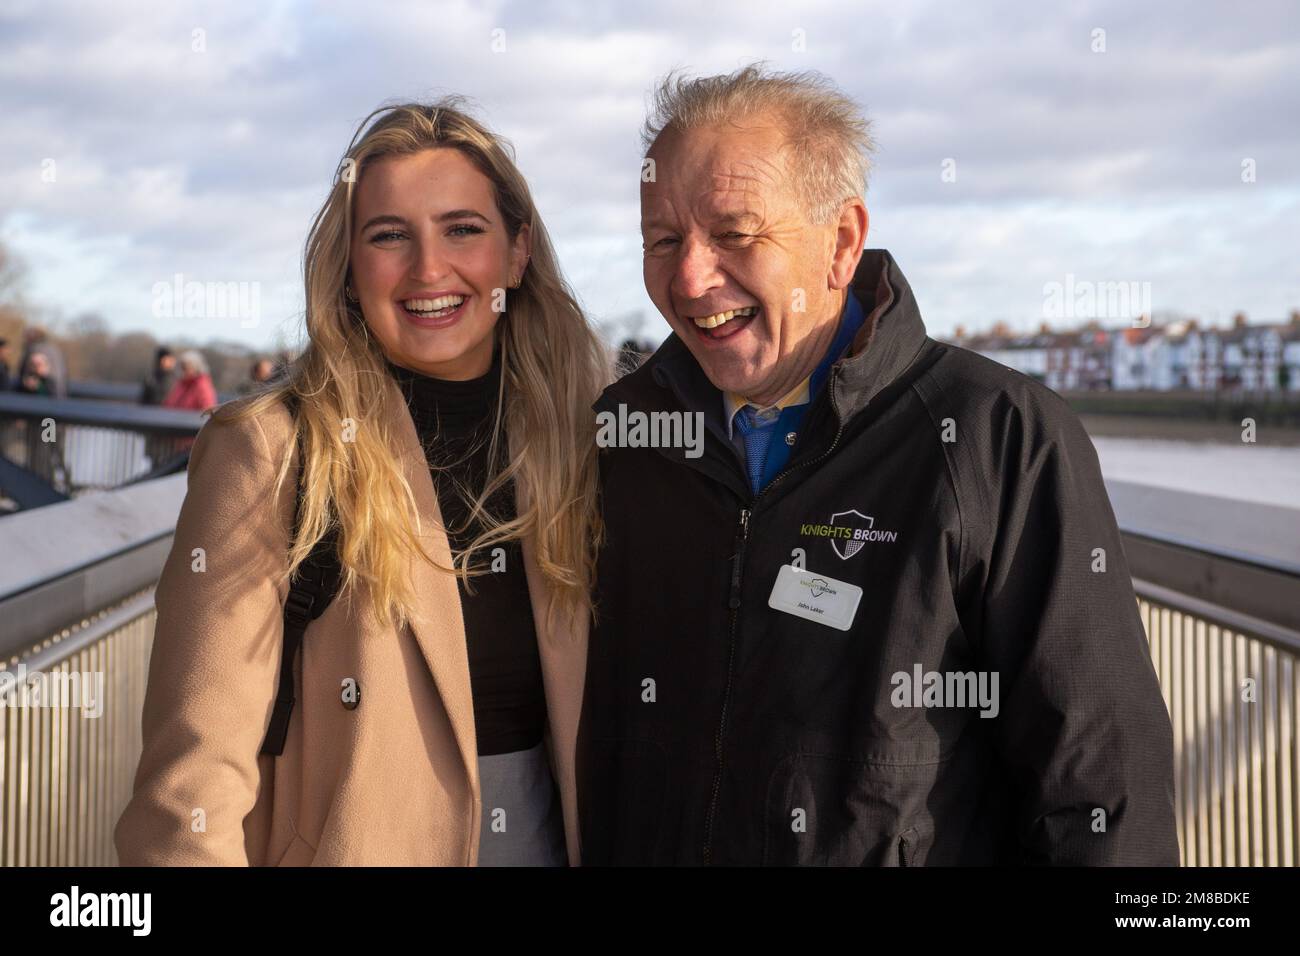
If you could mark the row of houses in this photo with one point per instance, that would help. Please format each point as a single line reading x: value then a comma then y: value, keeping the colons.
x: 1178, y: 355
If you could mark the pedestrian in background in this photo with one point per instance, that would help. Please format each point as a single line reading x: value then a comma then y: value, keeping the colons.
x: 193, y: 390
x: 157, y: 385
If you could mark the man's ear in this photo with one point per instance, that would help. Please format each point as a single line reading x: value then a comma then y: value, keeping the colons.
x: 850, y: 236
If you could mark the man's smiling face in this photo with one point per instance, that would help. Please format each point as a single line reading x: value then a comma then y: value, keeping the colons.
x: 734, y: 262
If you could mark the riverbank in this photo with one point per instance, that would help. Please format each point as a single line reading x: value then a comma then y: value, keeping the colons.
x: 1188, y: 430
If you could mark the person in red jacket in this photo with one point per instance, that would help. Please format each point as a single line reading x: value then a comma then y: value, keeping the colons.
x: 193, y: 389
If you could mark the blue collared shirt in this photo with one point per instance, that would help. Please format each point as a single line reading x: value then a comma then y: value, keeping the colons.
x: 768, y: 435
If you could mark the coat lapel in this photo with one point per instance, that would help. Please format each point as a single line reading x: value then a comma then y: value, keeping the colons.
x: 439, y: 629
x: 562, y: 646
x: 438, y: 623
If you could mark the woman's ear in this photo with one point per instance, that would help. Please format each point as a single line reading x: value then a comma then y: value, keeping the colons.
x: 521, y: 251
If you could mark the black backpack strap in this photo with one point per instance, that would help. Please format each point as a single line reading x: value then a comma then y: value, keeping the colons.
x: 311, y: 590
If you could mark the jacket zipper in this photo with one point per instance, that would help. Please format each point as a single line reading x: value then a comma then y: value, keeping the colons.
x: 907, y: 841
x: 733, y: 605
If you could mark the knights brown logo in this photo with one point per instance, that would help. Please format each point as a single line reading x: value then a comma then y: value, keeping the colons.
x: 849, y: 532
x: 854, y: 521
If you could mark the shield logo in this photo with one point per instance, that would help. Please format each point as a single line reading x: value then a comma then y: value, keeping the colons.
x: 851, y: 519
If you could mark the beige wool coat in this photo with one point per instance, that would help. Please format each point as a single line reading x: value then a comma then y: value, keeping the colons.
x: 393, y: 781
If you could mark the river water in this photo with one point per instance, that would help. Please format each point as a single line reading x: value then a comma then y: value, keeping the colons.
x: 1247, y: 472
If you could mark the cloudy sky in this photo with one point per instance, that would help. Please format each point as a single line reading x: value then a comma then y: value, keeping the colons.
x: 145, y: 140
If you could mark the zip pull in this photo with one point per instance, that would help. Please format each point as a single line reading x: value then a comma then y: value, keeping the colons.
x: 738, y: 558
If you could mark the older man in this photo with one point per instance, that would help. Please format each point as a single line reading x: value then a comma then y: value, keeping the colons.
x: 885, y: 617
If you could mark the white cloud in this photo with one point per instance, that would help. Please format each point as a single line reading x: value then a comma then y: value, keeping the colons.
x: 212, y: 163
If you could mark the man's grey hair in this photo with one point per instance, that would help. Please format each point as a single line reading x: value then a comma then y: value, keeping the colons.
x: 194, y: 358
x: 828, y: 139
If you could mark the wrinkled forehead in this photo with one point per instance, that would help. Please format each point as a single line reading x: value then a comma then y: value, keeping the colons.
x: 717, y: 172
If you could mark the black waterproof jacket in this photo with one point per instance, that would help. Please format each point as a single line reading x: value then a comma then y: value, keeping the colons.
x: 718, y: 730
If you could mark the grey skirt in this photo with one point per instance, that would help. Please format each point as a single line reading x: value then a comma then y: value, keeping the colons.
x: 522, y: 821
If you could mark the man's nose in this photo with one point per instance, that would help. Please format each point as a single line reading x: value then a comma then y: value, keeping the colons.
x: 697, y: 271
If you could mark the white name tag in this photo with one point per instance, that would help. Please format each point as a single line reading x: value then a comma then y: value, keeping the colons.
x: 815, y: 597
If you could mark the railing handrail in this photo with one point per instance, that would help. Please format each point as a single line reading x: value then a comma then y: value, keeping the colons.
x: 1265, y: 631
x: 46, y: 544
x: 1248, y: 532
x: 87, y: 411
x: 55, y: 650
x: 97, y: 549
x: 63, y: 563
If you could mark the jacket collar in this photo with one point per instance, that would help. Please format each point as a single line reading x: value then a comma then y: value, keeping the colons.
x: 888, y: 342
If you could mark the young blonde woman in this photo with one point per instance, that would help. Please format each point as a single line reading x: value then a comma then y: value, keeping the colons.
x: 439, y: 425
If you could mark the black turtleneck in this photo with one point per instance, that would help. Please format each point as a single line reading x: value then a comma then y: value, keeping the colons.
x: 454, y: 421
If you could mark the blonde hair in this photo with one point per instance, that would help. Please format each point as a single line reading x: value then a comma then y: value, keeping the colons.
x: 553, y: 368
x: 825, y: 132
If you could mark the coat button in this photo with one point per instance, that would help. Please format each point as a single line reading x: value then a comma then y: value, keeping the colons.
x: 351, y: 693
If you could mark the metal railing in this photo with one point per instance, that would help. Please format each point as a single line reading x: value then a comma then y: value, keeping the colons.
x: 1232, y: 701
x: 66, y: 771
x: 1218, y: 585
x: 1223, y: 625
x: 80, y: 444
x: 79, y: 602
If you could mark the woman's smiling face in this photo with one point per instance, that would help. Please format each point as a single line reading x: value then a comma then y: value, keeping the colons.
x: 431, y: 260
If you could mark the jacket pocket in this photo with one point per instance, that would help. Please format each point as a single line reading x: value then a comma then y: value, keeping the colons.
x: 835, y: 810
x: 622, y: 786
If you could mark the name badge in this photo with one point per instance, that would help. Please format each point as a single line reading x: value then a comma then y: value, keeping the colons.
x: 815, y: 597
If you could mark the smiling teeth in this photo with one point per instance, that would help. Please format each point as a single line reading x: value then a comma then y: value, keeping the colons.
x: 722, y: 318
x: 442, y: 303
